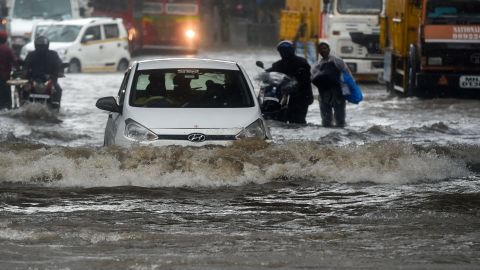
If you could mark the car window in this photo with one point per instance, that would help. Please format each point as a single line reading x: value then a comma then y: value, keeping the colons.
x: 95, y: 31
x: 111, y: 31
x: 190, y: 88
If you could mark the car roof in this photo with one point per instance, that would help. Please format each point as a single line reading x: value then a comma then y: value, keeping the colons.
x: 81, y: 21
x: 167, y: 63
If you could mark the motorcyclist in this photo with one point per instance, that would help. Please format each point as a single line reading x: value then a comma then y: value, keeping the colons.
x: 7, y: 60
x: 296, y: 67
x: 44, y: 62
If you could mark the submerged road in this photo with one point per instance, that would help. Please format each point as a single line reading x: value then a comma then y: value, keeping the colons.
x: 398, y: 188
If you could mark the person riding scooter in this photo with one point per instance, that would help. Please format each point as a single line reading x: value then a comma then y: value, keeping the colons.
x: 45, y: 65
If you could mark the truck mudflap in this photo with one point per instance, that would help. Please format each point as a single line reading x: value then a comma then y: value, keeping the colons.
x: 449, y: 81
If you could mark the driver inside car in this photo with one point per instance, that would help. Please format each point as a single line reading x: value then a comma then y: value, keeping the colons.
x: 155, y: 91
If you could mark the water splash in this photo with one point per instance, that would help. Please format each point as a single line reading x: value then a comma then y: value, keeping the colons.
x: 387, y: 162
x: 35, y: 112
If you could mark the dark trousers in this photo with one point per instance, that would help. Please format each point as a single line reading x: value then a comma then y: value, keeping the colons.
x: 57, y: 96
x: 5, y: 95
x: 297, y: 112
x: 329, y: 111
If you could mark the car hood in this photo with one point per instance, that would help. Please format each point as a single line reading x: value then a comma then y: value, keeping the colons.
x: 60, y: 45
x: 53, y: 46
x: 194, y: 118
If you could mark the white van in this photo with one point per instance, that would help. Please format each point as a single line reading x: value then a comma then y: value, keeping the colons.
x: 87, y: 45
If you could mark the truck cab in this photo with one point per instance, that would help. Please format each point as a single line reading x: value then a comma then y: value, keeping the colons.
x: 353, y: 30
x: 432, y: 46
x: 23, y: 14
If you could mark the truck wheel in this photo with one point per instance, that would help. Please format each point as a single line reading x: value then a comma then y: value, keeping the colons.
x: 74, y: 66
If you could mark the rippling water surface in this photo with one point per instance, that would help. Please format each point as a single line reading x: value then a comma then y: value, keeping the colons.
x: 399, y: 188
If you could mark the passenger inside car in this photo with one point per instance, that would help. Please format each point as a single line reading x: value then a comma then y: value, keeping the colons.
x: 182, y: 91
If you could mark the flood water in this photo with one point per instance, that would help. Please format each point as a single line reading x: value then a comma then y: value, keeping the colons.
x: 398, y: 188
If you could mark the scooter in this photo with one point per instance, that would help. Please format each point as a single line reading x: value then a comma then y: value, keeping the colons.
x: 275, y: 91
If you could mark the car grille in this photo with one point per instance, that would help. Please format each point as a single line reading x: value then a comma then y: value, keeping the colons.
x: 207, y: 137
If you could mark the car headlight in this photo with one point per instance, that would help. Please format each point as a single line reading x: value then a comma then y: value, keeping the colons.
x: 254, y: 130
x: 62, y: 51
x: 137, y: 132
x: 346, y: 49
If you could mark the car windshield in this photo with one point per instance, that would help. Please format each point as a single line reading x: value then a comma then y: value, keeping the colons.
x: 190, y: 88
x: 58, y: 33
x: 47, y: 9
x: 453, y: 12
x: 360, y: 7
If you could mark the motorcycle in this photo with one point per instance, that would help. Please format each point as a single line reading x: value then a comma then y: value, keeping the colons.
x: 275, y: 91
x: 39, y: 90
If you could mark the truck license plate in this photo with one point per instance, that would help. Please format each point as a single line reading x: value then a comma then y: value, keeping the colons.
x: 470, y: 81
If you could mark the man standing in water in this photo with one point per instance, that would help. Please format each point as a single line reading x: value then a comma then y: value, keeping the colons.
x: 296, y: 67
x: 7, y: 60
x: 326, y: 76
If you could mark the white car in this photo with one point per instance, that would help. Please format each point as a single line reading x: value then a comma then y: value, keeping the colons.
x: 87, y: 45
x: 188, y: 102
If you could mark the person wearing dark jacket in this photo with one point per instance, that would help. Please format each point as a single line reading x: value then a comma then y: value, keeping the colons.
x: 44, y: 62
x: 7, y: 60
x: 326, y: 76
x: 296, y: 67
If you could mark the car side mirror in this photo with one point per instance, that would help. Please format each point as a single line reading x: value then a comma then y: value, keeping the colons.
x: 87, y: 38
x: 260, y: 64
x: 108, y: 104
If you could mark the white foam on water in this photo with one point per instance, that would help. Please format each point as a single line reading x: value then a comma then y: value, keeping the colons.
x: 31, y: 112
x: 386, y: 162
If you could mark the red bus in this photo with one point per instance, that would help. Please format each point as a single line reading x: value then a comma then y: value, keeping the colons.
x: 155, y: 24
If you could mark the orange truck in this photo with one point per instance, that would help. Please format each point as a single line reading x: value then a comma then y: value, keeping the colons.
x: 431, y: 47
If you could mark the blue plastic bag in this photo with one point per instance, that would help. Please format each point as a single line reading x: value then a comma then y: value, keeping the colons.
x: 355, y: 95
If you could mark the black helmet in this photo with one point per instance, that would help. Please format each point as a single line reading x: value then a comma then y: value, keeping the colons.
x: 42, y: 43
x: 286, y: 48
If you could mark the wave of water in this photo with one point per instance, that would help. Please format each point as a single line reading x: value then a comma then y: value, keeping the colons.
x: 35, y: 112
x: 387, y: 162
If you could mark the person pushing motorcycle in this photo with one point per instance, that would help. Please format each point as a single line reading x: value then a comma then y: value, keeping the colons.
x: 296, y: 67
x: 44, y: 64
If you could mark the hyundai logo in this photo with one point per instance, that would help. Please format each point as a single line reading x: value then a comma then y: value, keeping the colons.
x: 197, y: 137
x: 475, y: 58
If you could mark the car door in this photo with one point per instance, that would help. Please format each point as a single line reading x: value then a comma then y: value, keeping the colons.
x: 116, y: 120
x: 92, y: 49
x: 112, y: 44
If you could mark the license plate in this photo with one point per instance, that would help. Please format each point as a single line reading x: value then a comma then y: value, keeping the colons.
x: 470, y: 81
x: 38, y: 96
x: 18, y: 41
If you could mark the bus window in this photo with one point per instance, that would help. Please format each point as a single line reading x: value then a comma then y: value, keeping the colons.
x: 182, y: 7
x: 152, y: 7
x: 109, y: 5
